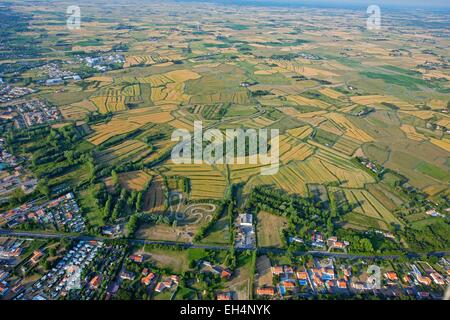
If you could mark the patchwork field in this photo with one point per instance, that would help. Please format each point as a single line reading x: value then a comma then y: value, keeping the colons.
x: 362, y: 117
x: 154, y: 197
x: 206, y: 182
x: 369, y: 206
x: 126, y: 122
x: 128, y: 151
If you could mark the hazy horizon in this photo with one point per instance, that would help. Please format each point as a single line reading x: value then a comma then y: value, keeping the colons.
x: 337, y: 3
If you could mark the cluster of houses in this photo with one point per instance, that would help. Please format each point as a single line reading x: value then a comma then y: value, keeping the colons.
x: 34, y: 112
x: 318, y: 241
x: 12, y: 174
x: 56, y: 75
x: 53, y: 70
x: 434, y: 213
x: 167, y: 283
x: 149, y: 278
x: 6, y: 159
x: 66, y: 275
x: 112, y: 230
x: 370, y: 165
x: 225, y: 296
x: 208, y: 267
x: 324, y: 278
x: 18, y: 178
x: 321, y: 278
x: 9, y: 93
x: 11, y: 248
x: 12, y: 251
x: 62, y: 212
x: 245, y: 232
x: 103, y: 63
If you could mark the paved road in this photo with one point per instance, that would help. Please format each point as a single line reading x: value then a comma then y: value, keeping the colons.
x: 35, y: 235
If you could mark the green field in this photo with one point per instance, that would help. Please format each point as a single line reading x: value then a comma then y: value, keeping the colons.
x: 433, y: 171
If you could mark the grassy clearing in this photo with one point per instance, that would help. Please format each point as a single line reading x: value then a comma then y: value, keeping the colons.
x: 89, y: 204
x: 432, y: 171
x: 176, y: 260
x: 269, y: 229
x: 219, y: 233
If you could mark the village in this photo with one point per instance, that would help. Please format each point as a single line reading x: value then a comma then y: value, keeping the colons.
x: 62, y: 213
x: 9, y: 93
x: 327, y: 277
x: 13, y: 174
x: 108, y: 270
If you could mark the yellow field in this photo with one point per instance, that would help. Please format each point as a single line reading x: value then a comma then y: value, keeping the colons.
x: 324, y: 150
x: 302, y: 101
x: 169, y: 87
x: 434, y: 189
x: 266, y: 72
x: 182, y: 124
x: 349, y: 177
x: 437, y: 104
x: 263, y: 121
x: 156, y: 80
x: 125, y: 123
x: 444, y: 122
x: 312, y: 170
x: 77, y: 111
x: 291, y: 149
x: 443, y: 144
x: 160, y: 148
x: 377, y: 99
x: 288, y: 178
x: 182, y: 75
x: 206, y: 181
x: 411, y: 133
x: 351, y: 130
x: 112, y: 99
x: 107, y: 104
x: 135, y: 60
x: 130, y: 150
x: 134, y: 180
x: 331, y: 93
x: 299, y: 68
x: 346, y: 145
x: 368, y: 205
x: 299, y: 115
x: 301, y: 132
x: 242, y: 172
x: 421, y: 114
x: 238, y: 97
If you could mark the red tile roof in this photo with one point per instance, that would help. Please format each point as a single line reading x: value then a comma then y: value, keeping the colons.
x: 391, y: 276
x: 137, y: 258
x: 224, y: 296
x: 268, y: 291
x: 342, y: 284
x: 148, y: 279
x: 95, y: 282
x: 288, y: 284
